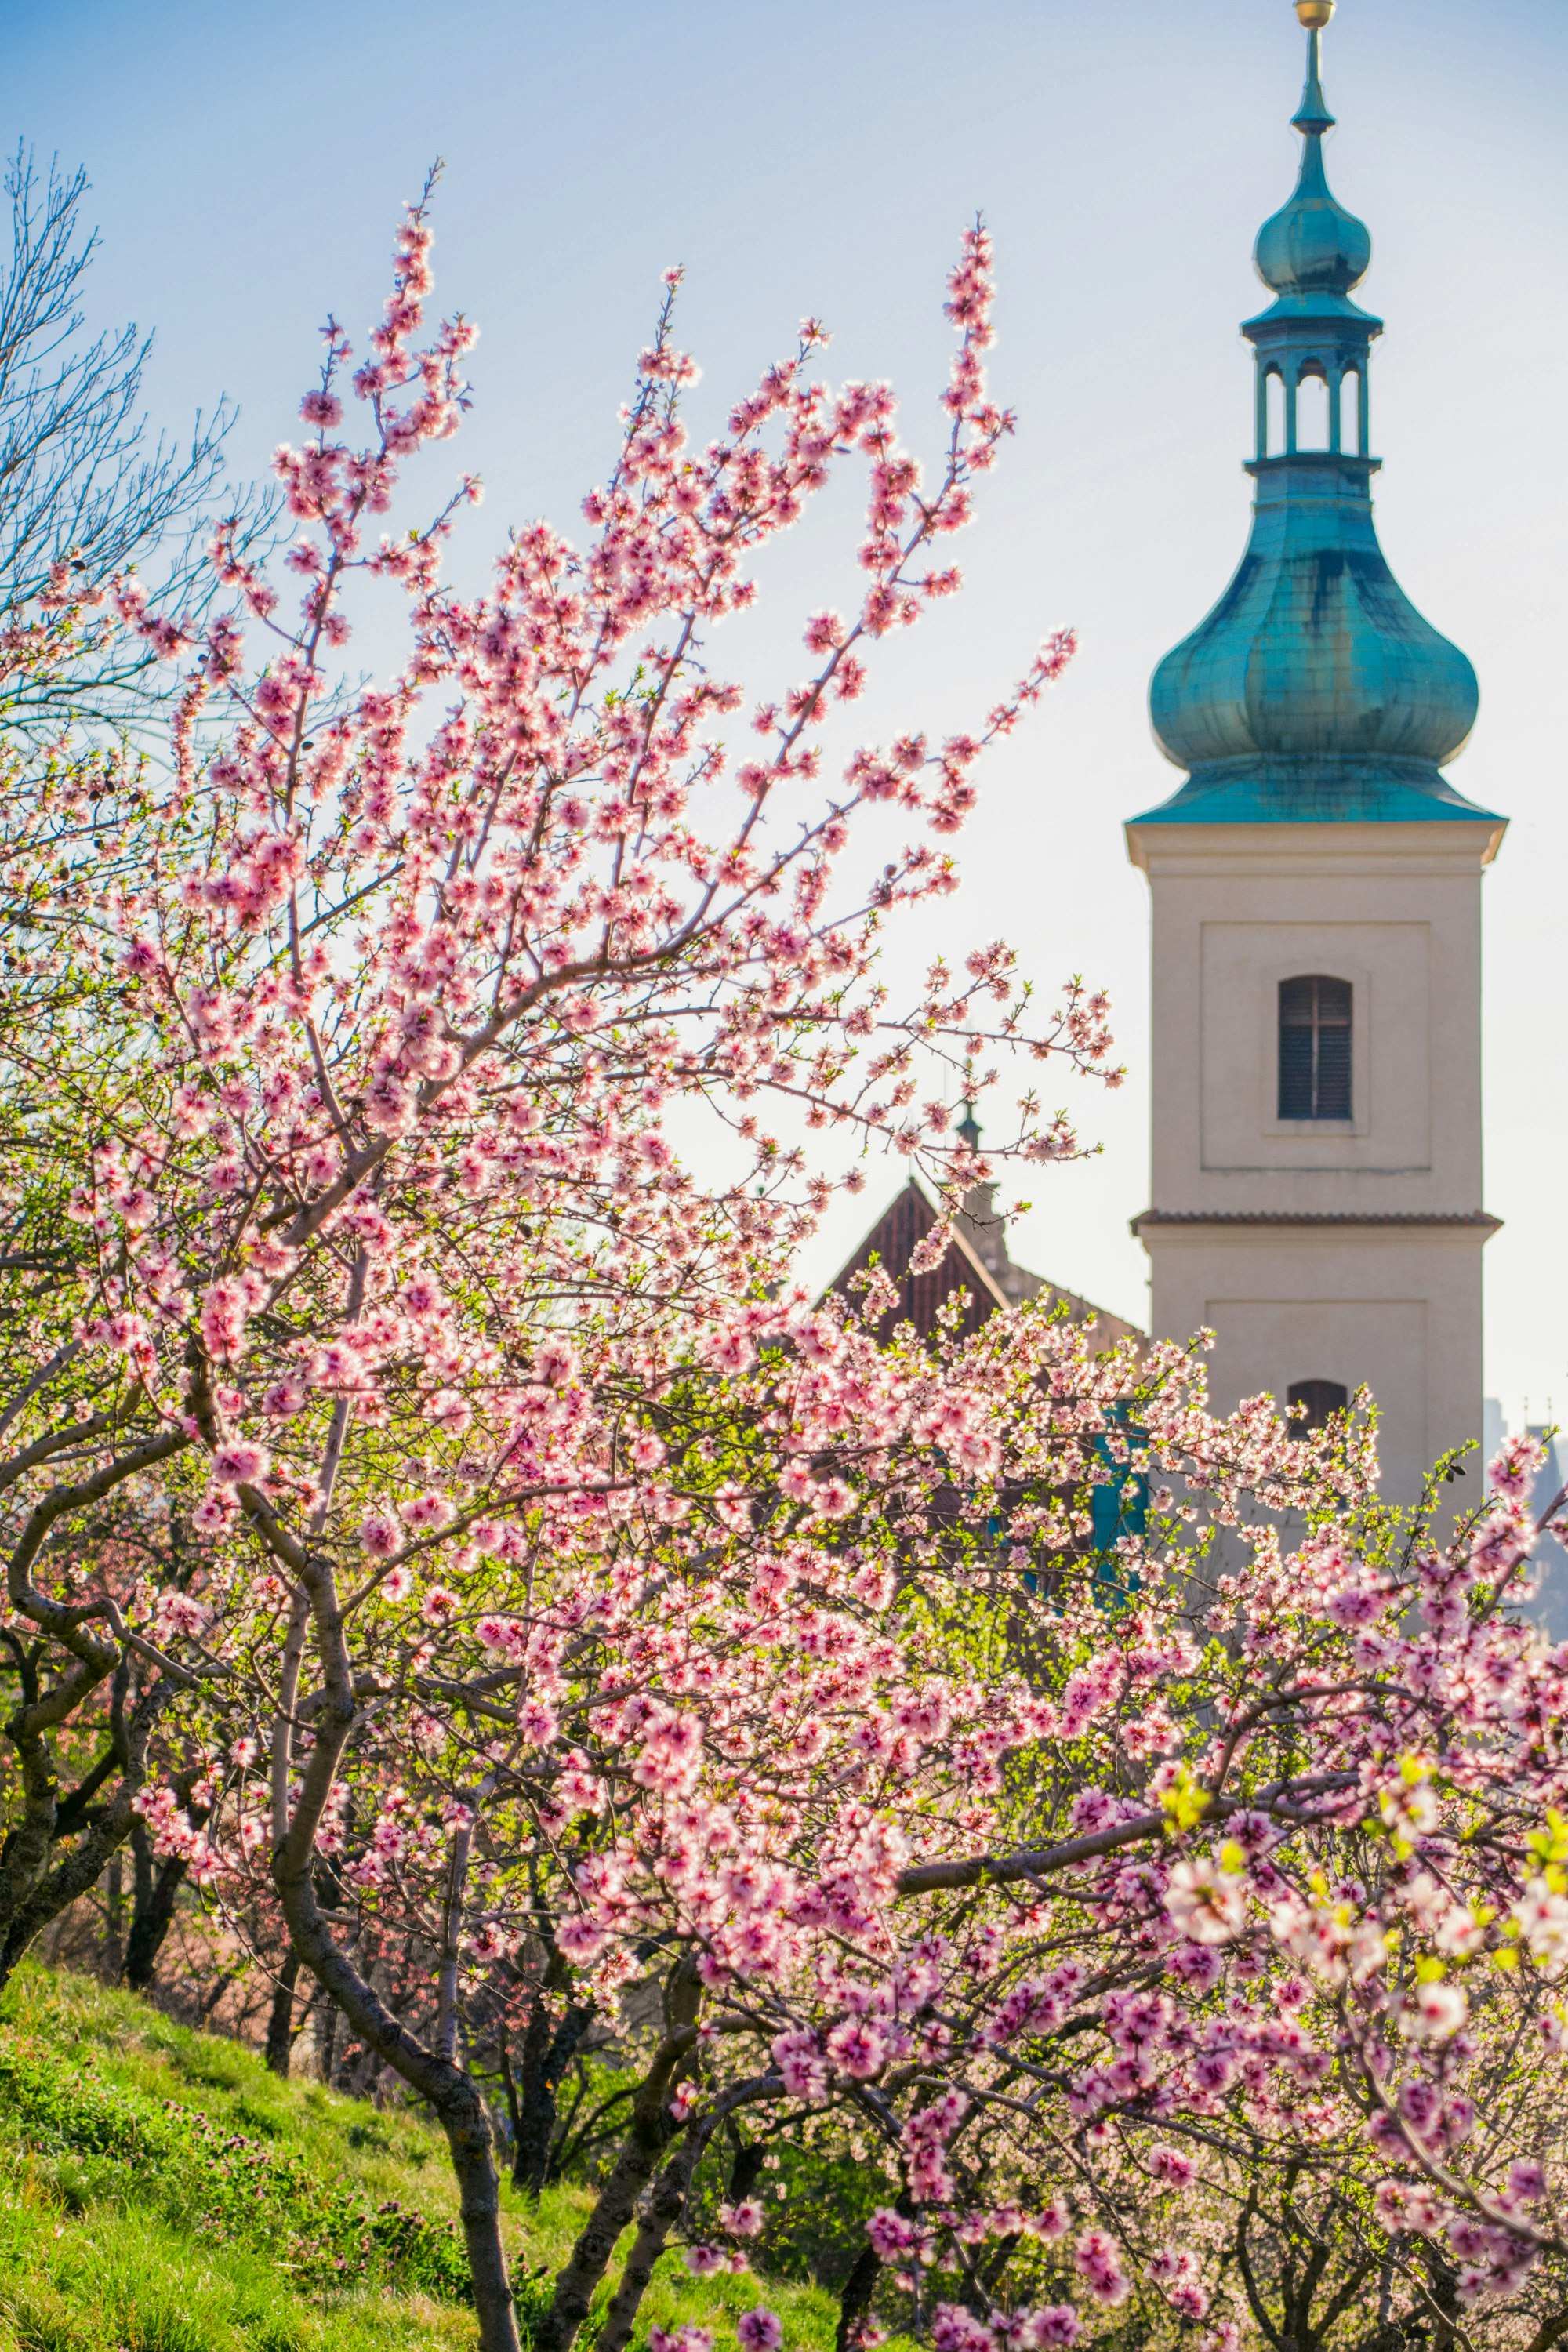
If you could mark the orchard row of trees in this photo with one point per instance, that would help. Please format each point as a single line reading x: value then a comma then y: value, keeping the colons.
x: 440, y: 1529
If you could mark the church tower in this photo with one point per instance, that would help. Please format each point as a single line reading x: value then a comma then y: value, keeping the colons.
x: 1315, y: 882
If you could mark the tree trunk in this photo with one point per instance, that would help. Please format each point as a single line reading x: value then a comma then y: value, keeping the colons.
x: 1448, y: 2330
x: 544, y: 2060
x: 448, y: 2087
x: 746, y: 2169
x: 113, y: 1918
x: 157, y: 1891
x: 856, y: 2295
x: 662, y: 2211
x: 644, y: 2143
x: 82, y: 1861
x: 471, y: 2142
x: 326, y: 2049
x: 534, y: 2122
x: 61, y: 1845
x: 662, y: 2207
x: 854, y: 2298
x: 280, y: 2020
x: 216, y: 1992
x: 451, y: 2092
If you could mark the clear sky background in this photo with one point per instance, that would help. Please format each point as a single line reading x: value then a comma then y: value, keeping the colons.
x: 249, y: 158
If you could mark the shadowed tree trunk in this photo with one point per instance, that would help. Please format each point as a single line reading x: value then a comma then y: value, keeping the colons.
x: 661, y: 2211
x: 855, y: 2297
x: 747, y: 2165
x: 114, y: 1919
x: 532, y: 2094
x: 662, y: 2208
x: 157, y: 1889
x: 280, y: 2019
x: 644, y: 2143
x: 62, y: 1845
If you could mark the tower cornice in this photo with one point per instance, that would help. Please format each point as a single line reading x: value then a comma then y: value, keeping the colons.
x: 1463, y: 842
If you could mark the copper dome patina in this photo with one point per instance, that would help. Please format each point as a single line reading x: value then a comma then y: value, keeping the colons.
x: 1314, y: 689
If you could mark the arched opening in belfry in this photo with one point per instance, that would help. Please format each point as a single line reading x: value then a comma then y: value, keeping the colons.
x: 1350, y: 412
x: 1313, y: 408
x: 1273, y: 414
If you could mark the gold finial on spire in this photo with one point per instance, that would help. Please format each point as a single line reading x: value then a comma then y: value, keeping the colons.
x: 1314, y: 14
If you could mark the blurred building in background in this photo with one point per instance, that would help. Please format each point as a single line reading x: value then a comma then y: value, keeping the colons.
x: 1550, y: 1606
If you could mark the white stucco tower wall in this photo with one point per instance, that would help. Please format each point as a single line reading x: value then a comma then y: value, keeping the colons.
x: 1345, y: 1250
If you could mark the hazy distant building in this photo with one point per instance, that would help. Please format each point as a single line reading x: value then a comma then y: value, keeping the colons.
x: 1550, y: 1559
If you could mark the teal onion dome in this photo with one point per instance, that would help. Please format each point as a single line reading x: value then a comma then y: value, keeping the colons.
x: 1314, y: 689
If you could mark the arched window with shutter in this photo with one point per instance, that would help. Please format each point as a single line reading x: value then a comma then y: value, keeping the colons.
x: 1315, y: 1042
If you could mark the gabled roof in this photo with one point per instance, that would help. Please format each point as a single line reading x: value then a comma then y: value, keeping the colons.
x: 976, y: 1264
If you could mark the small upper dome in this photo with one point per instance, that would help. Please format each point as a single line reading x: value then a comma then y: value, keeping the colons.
x: 1313, y: 246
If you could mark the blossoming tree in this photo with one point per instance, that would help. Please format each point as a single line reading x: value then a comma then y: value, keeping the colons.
x: 378, y: 1245
x: 107, y: 1589
x: 567, y: 1594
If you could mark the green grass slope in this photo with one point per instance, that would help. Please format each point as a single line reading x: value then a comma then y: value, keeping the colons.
x: 160, y: 2191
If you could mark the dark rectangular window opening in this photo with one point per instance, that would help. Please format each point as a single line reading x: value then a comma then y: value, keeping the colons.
x: 1314, y: 1048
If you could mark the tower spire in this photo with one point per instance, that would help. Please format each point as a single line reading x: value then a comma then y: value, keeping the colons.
x: 1312, y: 117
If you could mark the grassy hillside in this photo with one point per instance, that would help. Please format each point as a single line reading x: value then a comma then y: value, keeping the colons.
x: 161, y: 2192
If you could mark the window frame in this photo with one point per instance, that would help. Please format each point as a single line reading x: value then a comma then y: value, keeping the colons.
x: 1327, y: 1132
x: 1315, y: 1028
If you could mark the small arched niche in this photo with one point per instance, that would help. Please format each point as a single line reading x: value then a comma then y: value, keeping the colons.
x: 1350, y: 412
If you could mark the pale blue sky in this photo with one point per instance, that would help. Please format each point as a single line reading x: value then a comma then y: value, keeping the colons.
x: 248, y: 157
